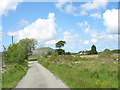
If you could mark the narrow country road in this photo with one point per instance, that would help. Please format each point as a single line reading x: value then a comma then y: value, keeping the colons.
x: 39, y: 77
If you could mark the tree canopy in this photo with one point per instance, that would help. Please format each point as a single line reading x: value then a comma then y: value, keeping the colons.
x: 60, y: 44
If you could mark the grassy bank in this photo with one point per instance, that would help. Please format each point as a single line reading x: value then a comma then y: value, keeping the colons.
x: 13, y: 75
x: 85, y: 72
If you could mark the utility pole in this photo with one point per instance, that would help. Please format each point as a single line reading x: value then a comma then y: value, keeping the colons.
x: 12, y: 39
x: 4, y: 48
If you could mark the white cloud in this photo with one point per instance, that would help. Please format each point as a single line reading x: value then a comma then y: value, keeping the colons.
x: 60, y: 4
x: 66, y: 7
x: 96, y: 15
x: 87, y: 30
x: 95, y: 4
x: 81, y: 24
x: 69, y: 9
x: 51, y: 42
x: 105, y: 37
x: 23, y: 22
x: 93, y: 40
x: 83, y: 13
x: 6, y: 5
x: 111, y: 20
x: 69, y: 37
x: 94, y: 34
x: 72, y: 40
x: 42, y: 30
x: 86, y: 42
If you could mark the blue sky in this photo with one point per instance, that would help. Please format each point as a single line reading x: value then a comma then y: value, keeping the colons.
x: 80, y: 24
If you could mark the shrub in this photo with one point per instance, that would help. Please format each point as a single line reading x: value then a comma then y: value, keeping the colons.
x: 54, y: 53
x: 49, y: 53
x: 44, y: 55
x: 67, y: 53
x: 60, y: 51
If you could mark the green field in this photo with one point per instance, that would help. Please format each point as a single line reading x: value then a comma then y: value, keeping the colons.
x: 77, y: 72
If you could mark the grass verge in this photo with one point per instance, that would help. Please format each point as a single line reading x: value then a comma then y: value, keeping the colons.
x: 13, y: 75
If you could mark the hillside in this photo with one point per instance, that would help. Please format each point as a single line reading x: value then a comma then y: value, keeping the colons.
x: 43, y: 50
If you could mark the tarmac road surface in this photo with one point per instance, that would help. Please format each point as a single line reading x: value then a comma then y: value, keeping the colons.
x: 39, y: 77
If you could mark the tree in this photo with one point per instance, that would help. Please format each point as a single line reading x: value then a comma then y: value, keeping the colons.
x: 60, y: 44
x: 17, y: 53
x: 28, y: 45
x: 60, y: 51
x: 93, y: 50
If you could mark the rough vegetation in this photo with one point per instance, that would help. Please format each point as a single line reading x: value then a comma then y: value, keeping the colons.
x: 13, y: 74
x: 83, y: 72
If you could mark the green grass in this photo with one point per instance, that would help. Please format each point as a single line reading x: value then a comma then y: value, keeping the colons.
x: 13, y: 75
x: 79, y: 72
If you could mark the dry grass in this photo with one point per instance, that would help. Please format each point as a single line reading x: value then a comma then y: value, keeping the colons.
x: 89, y: 56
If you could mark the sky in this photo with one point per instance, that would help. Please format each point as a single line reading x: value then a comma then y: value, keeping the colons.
x: 80, y: 24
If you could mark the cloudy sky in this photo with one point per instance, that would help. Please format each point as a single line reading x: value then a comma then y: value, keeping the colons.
x: 80, y: 24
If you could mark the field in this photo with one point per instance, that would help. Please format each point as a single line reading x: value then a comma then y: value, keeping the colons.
x: 84, y: 71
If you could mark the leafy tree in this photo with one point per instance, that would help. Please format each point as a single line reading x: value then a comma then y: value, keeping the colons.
x: 93, y: 50
x: 17, y: 53
x: 28, y: 45
x: 60, y: 44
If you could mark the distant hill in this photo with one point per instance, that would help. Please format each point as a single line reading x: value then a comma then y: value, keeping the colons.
x: 43, y: 50
x: 116, y: 51
x: 113, y: 51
